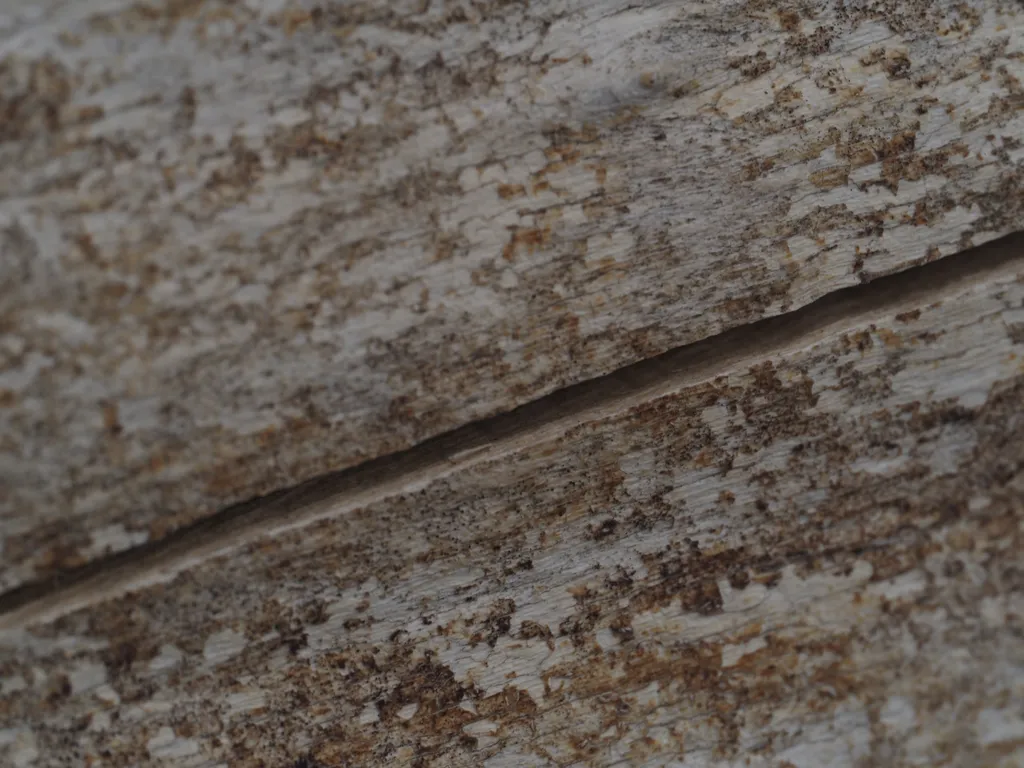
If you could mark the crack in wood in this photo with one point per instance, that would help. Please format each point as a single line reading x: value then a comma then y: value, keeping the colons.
x: 336, y: 493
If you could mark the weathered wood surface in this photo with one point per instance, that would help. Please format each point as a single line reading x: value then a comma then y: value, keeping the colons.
x: 810, y: 556
x: 245, y: 243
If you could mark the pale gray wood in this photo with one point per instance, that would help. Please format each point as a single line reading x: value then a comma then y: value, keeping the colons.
x: 805, y: 557
x: 244, y: 243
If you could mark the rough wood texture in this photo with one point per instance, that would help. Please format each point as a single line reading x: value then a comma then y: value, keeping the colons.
x: 812, y: 557
x: 244, y: 243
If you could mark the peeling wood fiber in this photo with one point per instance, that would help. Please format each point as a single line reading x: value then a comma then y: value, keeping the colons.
x: 243, y: 244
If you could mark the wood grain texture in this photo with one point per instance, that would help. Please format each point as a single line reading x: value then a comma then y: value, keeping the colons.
x: 807, y: 558
x: 245, y: 243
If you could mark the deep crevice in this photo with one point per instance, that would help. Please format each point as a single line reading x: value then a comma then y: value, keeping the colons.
x: 378, y: 478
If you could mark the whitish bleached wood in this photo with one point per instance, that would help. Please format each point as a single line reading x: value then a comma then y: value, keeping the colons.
x: 244, y: 243
x: 811, y: 558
